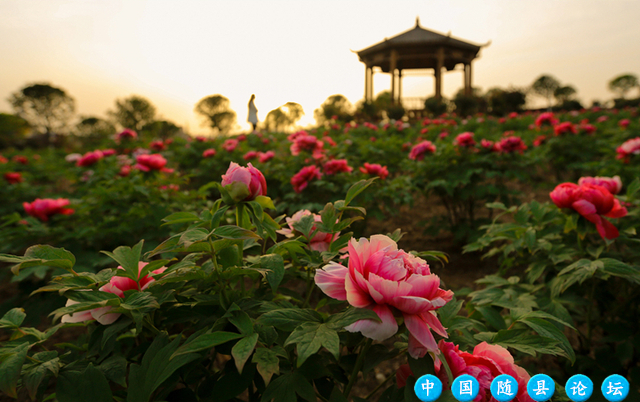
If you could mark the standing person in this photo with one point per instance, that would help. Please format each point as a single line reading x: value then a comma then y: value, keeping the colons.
x: 253, y: 113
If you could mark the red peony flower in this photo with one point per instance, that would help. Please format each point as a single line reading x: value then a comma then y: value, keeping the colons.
x: 147, y: 163
x: 301, y: 180
x: 510, y: 144
x: 13, y: 177
x: 44, y: 208
x: 464, y: 140
x: 419, y: 151
x: 375, y: 169
x: 90, y: 158
x: 565, y: 127
x: 208, y: 153
x: 337, y: 166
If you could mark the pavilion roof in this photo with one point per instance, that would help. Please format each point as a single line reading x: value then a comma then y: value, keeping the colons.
x: 418, y: 36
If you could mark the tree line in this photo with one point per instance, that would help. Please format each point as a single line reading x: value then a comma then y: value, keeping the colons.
x: 47, y: 112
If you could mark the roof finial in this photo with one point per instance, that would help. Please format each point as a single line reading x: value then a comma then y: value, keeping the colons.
x: 417, y: 21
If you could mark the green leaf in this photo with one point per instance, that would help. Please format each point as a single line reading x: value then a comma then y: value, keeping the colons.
x: 267, y: 363
x: 13, y: 318
x: 41, y: 254
x: 289, y: 318
x: 633, y: 188
x: 548, y: 330
x: 205, y: 342
x: 305, y: 225
x: 243, y: 349
x: 128, y: 259
x: 217, y: 216
x: 351, y: 315
x: 496, y: 205
x: 10, y: 367
x: 309, y: 337
x: 285, y: 388
x: 115, y: 369
x: 234, y: 232
x: 275, y: 264
x: 180, y: 217
x: 265, y: 202
x: 240, y: 319
x: 356, y: 189
x: 82, y: 386
x: 492, y: 316
x: 160, y: 361
x: 32, y: 377
x: 193, y: 235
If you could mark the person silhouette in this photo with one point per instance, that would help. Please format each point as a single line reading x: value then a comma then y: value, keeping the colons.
x: 253, y: 113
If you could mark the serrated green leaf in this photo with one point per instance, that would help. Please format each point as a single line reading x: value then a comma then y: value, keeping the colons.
x: 285, y: 388
x: 81, y: 386
x: 275, y: 264
x: 340, y: 320
x: 10, y: 368
x: 309, y: 337
x: 267, y: 363
x: 234, y: 232
x: 205, y: 341
x: 128, y: 259
x: 242, y: 350
x: 288, y: 319
x: 180, y: 217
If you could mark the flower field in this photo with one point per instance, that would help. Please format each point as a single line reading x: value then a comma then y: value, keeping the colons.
x: 246, y: 268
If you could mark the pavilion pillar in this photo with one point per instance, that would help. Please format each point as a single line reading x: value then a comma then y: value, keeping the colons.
x: 469, y: 80
x: 467, y: 89
x: 392, y: 69
x: 366, y: 83
x: 438, y: 72
x: 399, y: 86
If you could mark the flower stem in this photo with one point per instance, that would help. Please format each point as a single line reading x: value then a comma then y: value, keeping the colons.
x: 357, y: 367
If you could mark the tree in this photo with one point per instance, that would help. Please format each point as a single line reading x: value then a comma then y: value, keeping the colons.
x: 215, y: 109
x: 13, y: 129
x: 545, y: 86
x: 504, y: 101
x: 46, y: 108
x: 623, y: 84
x: 133, y: 112
x: 564, y: 93
x: 467, y: 105
x: 162, y: 129
x: 335, y: 105
x: 284, y: 116
x: 95, y: 127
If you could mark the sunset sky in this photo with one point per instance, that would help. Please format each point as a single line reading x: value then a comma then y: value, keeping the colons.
x: 176, y: 52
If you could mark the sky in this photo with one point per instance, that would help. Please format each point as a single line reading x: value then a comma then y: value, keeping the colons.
x: 175, y: 53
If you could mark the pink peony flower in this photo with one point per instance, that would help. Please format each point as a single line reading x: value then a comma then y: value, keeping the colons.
x: 628, y: 148
x: 513, y: 115
x: 510, y: 144
x: 306, y: 142
x: 375, y: 169
x: 125, y: 170
x: 21, y: 159
x: 126, y: 134
x: 464, y: 140
x: 329, y: 141
x: 148, y: 163
x: 587, y: 128
x: 158, y: 145
x: 565, y: 127
x: 301, y: 180
x: 251, y: 178
x: 420, y: 150
x: 624, y: 123
x: 486, y: 144
x: 44, y: 208
x: 484, y: 364
x: 546, y: 119
x: 443, y: 135
x: 13, y: 177
x: 541, y: 139
x: 117, y: 285
x: 264, y: 157
x: 319, y: 241
x: 602, y: 119
x: 90, y: 158
x: 3, y: 160
x: 250, y: 155
x: 230, y: 145
x: 209, y: 153
x: 612, y: 184
x: 384, y: 279
x: 337, y: 166
x: 592, y: 202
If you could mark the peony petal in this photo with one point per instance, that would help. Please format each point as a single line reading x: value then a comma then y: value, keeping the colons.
x: 585, y: 208
x: 419, y: 329
x: 103, y: 315
x: 412, y: 304
x: 618, y: 211
x: 389, y: 289
x: 431, y: 318
x: 378, y: 331
x: 331, y: 280
x: 424, y: 286
x: 607, y: 230
x: 356, y: 296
